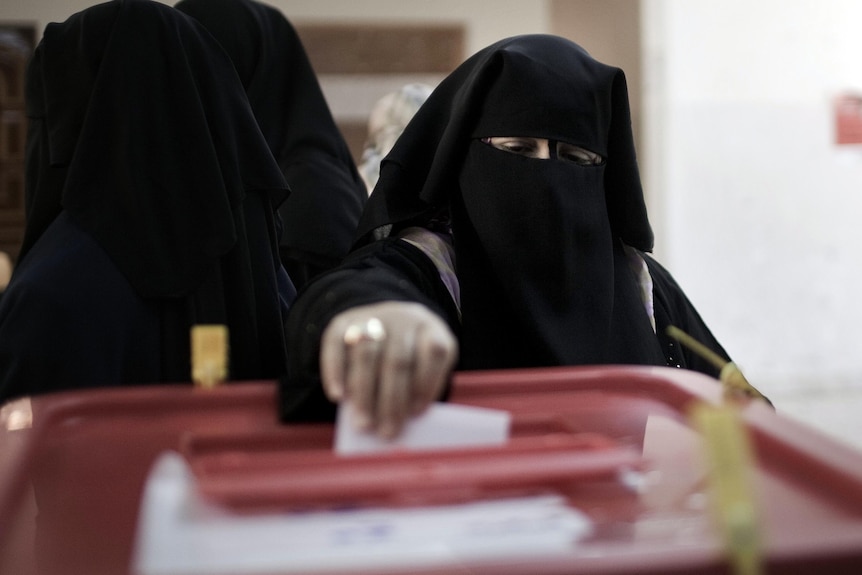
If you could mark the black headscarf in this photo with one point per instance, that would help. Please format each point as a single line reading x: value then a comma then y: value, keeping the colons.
x: 543, y: 273
x: 321, y: 215
x: 142, y: 136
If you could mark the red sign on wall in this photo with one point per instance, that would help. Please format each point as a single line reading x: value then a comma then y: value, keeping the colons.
x: 848, y: 119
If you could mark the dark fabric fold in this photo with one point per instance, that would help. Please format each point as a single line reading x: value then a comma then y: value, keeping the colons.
x: 327, y: 194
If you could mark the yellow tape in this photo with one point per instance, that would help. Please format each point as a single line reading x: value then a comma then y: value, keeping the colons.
x: 729, y: 460
x: 209, y: 345
x: 734, y: 383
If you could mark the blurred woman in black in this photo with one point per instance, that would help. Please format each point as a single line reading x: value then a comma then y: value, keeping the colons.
x: 150, y: 201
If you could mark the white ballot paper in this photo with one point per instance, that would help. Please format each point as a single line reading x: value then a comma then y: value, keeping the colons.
x: 180, y: 533
x: 441, y: 425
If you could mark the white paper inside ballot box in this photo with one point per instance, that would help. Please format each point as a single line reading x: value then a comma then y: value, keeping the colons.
x: 179, y: 533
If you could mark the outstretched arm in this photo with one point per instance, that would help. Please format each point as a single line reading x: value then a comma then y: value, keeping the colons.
x: 378, y: 331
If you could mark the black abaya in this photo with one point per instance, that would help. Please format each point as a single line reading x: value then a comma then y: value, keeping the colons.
x: 150, y: 208
x: 543, y: 247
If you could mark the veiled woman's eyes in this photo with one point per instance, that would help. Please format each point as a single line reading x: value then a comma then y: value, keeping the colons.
x: 578, y: 155
x: 530, y: 147
x: 539, y: 148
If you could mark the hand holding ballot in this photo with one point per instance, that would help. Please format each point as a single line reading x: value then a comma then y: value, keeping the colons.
x: 390, y: 360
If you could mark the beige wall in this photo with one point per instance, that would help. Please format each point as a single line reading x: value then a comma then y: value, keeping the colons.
x: 485, y: 20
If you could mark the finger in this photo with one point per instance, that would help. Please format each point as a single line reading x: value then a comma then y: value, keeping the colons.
x: 395, y: 390
x: 361, y: 379
x: 333, y: 359
x: 436, y: 353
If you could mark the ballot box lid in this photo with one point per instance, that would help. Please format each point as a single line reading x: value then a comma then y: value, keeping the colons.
x: 616, y: 444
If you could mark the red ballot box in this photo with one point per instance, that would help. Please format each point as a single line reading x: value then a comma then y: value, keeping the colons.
x: 613, y: 444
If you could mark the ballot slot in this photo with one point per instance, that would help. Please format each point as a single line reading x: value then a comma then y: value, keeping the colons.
x: 260, y: 471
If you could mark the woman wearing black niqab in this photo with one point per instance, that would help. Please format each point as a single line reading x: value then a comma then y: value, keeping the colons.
x: 150, y: 199
x: 549, y: 253
x: 327, y: 193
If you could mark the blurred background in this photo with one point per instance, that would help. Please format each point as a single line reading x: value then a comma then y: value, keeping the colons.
x: 748, y: 119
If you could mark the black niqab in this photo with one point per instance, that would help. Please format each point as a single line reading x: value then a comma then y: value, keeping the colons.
x: 539, y: 243
x: 127, y: 124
